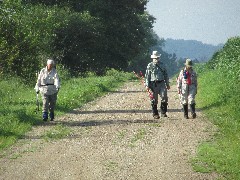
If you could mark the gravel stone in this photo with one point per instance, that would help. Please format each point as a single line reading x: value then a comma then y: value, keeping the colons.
x: 113, y: 138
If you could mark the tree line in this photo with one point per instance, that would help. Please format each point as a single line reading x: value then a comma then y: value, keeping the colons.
x: 80, y: 35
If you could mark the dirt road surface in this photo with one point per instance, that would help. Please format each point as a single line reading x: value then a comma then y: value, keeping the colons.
x: 113, y: 138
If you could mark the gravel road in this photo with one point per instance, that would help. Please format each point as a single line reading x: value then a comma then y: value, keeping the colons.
x: 112, y: 138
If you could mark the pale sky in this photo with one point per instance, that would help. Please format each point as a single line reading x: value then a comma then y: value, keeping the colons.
x: 208, y: 21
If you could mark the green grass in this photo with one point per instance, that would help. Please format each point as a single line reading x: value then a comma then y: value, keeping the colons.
x: 18, y: 101
x: 219, y: 97
x: 138, y: 136
x: 57, y: 132
x: 111, y: 166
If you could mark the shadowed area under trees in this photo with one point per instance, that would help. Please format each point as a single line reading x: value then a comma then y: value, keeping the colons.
x: 82, y: 36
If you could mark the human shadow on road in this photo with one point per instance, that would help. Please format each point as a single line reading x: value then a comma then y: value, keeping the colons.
x: 174, y: 110
x: 112, y: 111
x: 107, y: 122
x: 90, y: 123
x: 127, y: 91
x: 115, y: 111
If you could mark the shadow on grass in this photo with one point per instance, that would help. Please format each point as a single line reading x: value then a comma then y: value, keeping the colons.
x: 17, y: 130
x: 4, y: 133
x: 115, y: 111
x: 214, y: 105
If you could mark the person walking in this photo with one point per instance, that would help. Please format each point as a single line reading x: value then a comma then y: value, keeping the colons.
x: 48, y: 83
x: 156, y: 80
x: 187, y: 88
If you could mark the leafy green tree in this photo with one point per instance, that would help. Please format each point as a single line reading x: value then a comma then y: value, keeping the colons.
x: 81, y: 35
x: 27, y: 33
x: 107, y: 34
x: 78, y: 40
x: 16, y: 49
x: 228, y: 58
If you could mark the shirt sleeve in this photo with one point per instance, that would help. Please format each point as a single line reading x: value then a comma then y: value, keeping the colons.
x: 165, y: 75
x: 179, y: 80
x: 57, y: 80
x: 147, y: 76
x: 38, y: 83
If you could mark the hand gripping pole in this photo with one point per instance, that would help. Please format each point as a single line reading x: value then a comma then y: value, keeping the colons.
x: 141, y: 78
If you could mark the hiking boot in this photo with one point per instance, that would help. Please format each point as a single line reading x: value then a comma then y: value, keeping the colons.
x: 163, y: 115
x: 192, y: 108
x: 185, y: 111
x: 51, y: 114
x: 155, y: 112
x: 156, y: 116
x: 194, y: 115
x: 163, y: 108
x: 45, y: 116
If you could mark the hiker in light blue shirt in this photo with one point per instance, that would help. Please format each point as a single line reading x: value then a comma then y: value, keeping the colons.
x: 156, y: 79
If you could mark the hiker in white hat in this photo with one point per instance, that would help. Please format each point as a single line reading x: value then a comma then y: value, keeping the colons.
x: 48, y: 84
x: 156, y: 79
x: 187, y: 88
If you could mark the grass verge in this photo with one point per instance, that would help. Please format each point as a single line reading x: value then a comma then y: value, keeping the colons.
x: 18, y: 101
x: 218, y: 97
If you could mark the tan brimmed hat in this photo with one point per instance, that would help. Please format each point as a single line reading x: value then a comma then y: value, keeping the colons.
x: 189, y: 63
x: 155, y: 55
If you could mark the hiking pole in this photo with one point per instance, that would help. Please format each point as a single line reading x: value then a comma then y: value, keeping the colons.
x: 150, y: 94
x: 37, y: 101
x: 37, y: 104
x: 179, y: 94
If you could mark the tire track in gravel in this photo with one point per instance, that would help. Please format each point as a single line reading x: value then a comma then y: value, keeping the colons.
x: 113, y: 137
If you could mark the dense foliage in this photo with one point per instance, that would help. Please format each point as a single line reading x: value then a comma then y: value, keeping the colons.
x: 228, y: 59
x: 82, y: 36
x: 219, y: 97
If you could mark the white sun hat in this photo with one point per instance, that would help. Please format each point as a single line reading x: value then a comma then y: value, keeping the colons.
x: 50, y: 61
x: 155, y: 55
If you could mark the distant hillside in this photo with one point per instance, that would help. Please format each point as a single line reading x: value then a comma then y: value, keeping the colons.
x: 190, y: 49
